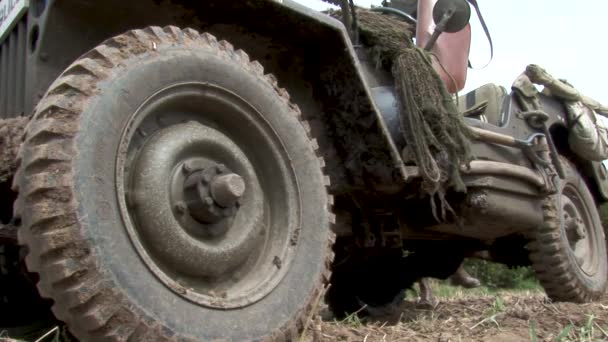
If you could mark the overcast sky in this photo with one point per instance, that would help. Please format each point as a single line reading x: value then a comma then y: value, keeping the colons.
x: 568, y: 38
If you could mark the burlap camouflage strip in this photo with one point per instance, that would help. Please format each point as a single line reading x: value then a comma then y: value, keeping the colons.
x: 438, y: 140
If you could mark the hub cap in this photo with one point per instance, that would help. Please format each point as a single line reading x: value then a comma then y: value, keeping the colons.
x: 209, y: 200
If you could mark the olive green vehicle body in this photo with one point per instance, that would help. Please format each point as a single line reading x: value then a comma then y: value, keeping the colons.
x: 310, y: 54
x: 349, y: 104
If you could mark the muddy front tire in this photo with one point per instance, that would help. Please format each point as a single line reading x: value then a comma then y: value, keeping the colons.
x: 568, y: 253
x: 168, y: 189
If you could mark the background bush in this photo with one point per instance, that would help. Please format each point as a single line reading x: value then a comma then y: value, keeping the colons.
x: 499, y: 276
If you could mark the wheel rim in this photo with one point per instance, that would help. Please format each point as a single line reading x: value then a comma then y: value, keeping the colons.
x: 578, y: 225
x: 206, y: 195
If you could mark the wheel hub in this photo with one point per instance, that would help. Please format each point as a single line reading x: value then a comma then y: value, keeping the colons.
x: 189, y: 229
x: 211, y: 208
x: 576, y: 226
x: 211, y: 194
x: 209, y: 225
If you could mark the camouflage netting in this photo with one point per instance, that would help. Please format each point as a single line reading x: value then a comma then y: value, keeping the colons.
x: 437, y: 137
x: 383, y: 36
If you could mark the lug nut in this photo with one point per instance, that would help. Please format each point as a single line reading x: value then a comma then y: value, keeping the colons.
x: 221, y: 168
x: 187, y: 167
x: 209, y: 201
x: 227, y: 189
x: 227, y: 212
x: 181, y: 207
x: 205, y: 179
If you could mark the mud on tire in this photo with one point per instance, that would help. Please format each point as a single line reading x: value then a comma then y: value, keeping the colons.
x: 88, y: 175
x: 568, y: 253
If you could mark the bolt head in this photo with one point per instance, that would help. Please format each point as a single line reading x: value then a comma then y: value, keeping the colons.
x: 227, y: 189
x: 215, y: 211
x: 221, y: 168
x: 187, y: 167
x: 227, y: 212
x: 181, y: 207
x: 206, y: 178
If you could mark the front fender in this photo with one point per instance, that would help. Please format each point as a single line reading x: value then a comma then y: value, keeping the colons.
x: 309, y: 52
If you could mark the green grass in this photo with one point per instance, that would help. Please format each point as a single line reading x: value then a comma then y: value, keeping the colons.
x: 591, y: 331
x: 353, y: 319
x: 563, y: 335
x: 443, y: 290
x: 499, y: 276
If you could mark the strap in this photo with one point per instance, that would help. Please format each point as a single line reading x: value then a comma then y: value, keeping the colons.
x: 355, y: 23
x: 477, y: 109
x: 485, y: 30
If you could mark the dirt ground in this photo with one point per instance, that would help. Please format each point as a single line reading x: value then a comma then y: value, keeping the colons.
x: 503, y: 317
x: 521, y: 316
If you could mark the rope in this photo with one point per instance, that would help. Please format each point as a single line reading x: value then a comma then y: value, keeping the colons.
x: 436, y: 134
x: 437, y: 137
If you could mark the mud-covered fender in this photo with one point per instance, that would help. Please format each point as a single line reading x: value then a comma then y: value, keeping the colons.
x: 309, y: 52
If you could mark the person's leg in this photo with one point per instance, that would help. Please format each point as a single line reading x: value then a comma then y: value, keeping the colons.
x: 427, y: 299
x: 464, y: 279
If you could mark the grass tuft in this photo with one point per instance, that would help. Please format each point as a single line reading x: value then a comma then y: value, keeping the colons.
x: 532, y: 331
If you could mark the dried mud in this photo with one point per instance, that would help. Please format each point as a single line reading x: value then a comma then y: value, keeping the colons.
x: 11, y: 136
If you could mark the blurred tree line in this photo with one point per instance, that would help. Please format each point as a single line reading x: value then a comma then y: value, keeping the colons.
x: 498, y: 276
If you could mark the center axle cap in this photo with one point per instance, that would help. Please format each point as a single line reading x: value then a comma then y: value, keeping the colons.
x: 212, y: 193
x: 227, y: 189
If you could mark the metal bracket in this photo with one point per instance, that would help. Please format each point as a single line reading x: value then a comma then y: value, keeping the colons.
x: 538, y: 119
x: 527, y: 147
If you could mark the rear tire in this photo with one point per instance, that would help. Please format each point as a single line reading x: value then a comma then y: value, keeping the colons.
x: 568, y: 253
x: 128, y: 221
